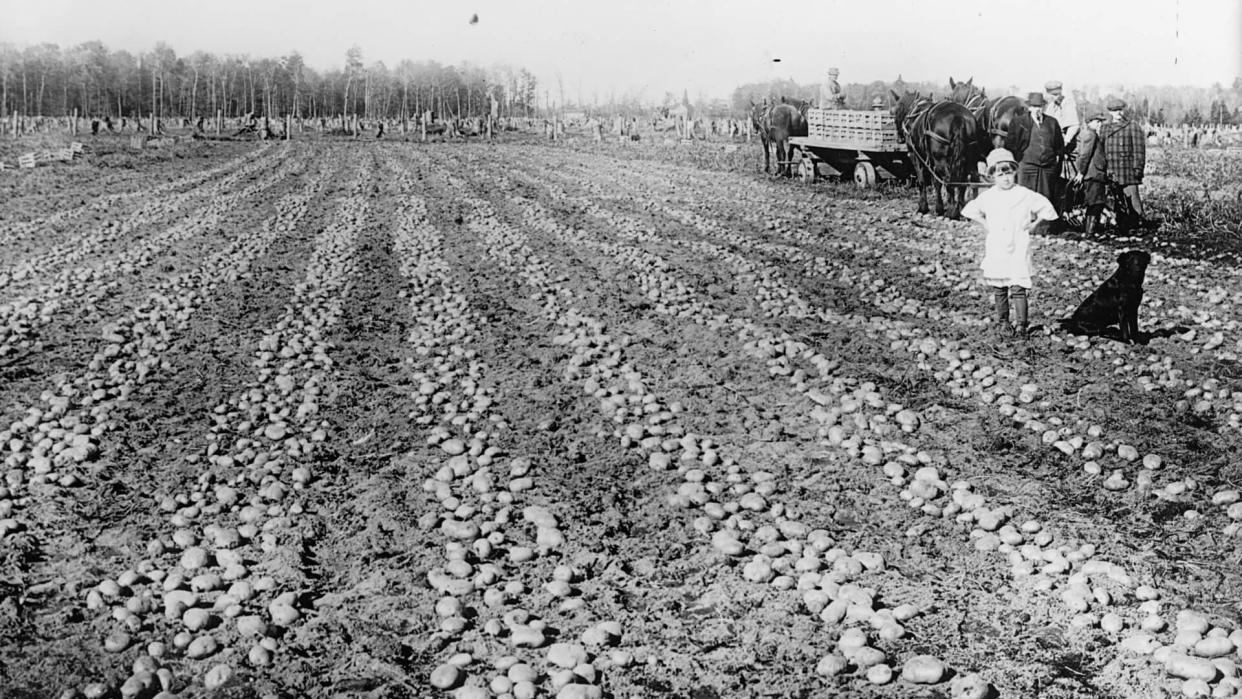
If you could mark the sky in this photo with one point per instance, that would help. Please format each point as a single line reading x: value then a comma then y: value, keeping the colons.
x: 590, y: 50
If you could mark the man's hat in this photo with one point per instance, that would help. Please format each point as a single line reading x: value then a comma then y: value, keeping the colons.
x: 1052, y: 86
x: 1035, y: 99
x: 834, y: 71
x: 1098, y: 116
x: 877, y: 102
x: 1115, y: 104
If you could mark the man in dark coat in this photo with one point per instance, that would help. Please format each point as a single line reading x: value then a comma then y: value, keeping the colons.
x: 1039, y: 144
x: 1125, y: 149
x: 1092, y: 170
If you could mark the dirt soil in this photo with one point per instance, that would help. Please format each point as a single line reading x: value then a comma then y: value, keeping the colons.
x: 364, y: 419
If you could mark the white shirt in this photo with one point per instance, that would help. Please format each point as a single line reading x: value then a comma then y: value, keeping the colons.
x: 1007, y: 245
x: 1065, y: 113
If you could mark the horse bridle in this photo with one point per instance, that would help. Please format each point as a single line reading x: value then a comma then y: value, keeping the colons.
x: 978, y: 105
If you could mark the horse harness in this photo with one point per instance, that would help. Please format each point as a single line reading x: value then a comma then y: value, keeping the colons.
x: 917, y: 118
x: 993, y: 117
x: 985, y: 111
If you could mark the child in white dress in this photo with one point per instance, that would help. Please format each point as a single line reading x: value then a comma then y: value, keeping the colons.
x: 1008, y: 212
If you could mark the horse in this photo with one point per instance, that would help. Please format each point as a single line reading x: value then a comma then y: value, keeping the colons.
x: 940, y: 137
x: 992, y: 115
x: 776, y: 124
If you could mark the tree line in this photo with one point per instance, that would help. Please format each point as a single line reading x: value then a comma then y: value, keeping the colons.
x: 93, y: 80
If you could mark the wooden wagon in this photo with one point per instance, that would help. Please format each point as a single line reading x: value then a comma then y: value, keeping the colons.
x: 848, y: 143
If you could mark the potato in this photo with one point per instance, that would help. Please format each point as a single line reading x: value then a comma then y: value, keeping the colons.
x: 1189, y: 668
x: 923, y: 669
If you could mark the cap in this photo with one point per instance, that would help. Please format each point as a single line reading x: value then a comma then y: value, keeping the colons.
x: 1115, y: 104
x: 1098, y: 116
x: 877, y: 102
x: 834, y: 71
x: 1035, y: 99
x: 1052, y: 85
x: 998, y: 156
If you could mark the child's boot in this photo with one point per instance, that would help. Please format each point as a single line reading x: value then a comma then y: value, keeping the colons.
x: 1001, y: 311
x: 1019, y: 309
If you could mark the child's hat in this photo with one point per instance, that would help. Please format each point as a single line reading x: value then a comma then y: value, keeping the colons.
x: 998, y: 156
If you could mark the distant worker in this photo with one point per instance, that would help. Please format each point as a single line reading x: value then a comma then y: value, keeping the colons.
x: 830, y: 94
x: 1125, y: 151
x: 1092, y: 171
x: 1039, y: 144
x: 1063, y: 108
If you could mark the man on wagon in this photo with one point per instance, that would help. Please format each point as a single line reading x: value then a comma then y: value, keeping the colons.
x: 830, y: 94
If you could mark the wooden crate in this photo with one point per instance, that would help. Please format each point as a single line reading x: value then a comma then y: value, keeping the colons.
x: 856, y: 128
x: 26, y: 160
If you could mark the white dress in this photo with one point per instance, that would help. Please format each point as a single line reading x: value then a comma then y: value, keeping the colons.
x: 1007, y: 246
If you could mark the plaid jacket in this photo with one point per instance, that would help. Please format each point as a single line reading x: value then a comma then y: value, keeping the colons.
x: 1125, y: 150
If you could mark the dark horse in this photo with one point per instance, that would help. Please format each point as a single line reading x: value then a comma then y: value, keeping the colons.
x: 993, y: 116
x: 775, y: 124
x: 941, y: 140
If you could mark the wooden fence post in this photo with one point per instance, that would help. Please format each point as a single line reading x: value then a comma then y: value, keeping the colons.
x: 288, y: 127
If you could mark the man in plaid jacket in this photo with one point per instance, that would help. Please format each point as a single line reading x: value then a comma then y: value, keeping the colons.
x: 1125, y: 150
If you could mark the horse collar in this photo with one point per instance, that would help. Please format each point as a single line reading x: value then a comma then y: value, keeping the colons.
x: 920, y: 110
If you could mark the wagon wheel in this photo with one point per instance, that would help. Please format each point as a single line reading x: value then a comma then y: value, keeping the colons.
x: 806, y: 168
x: 864, y: 175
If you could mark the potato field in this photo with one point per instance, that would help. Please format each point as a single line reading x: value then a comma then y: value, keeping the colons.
x: 468, y: 420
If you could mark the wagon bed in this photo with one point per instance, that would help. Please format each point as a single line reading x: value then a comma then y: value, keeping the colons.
x: 850, y: 143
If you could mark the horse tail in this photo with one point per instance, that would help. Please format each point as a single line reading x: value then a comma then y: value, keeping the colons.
x: 958, y: 149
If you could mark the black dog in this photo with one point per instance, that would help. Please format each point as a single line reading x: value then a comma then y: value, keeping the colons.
x: 1116, y: 302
